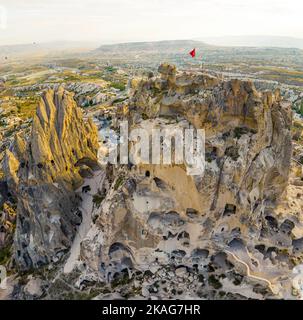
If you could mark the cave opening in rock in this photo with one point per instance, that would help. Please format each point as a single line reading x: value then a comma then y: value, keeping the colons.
x: 159, y: 183
x: 272, y: 222
x: 191, y: 212
x: 229, y: 209
x: 86, y: 189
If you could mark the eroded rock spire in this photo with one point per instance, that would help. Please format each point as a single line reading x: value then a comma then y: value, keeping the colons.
x: 43, y: 172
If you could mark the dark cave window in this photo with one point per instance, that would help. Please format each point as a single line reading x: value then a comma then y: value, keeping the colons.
x: 272, y: 222
x: 229, y: 209
x: 159, y: 183
x: 147, y: 173
x: 191, y: 212
x: 86, y: 189
x: 260, y: 248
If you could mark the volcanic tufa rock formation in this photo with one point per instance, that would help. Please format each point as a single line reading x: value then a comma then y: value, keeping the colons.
x: 43, y: 173
x: 157, y: 232
x: 157, y: 220
x: 248, y: 139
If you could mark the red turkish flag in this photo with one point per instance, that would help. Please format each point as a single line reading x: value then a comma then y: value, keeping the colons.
x: 193, y: 53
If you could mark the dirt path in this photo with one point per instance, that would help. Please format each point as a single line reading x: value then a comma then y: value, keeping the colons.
x: 87, y: 208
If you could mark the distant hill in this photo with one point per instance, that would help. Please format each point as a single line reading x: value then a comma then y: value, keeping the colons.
x: 167, y: 46
x: 44, y: 48
x: 255, y: 41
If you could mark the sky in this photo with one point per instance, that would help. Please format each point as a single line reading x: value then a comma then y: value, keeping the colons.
x: 110, y: 21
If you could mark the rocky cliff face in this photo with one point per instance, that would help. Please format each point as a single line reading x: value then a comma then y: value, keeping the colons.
x: 248, y: 139
x: 197, y: 234
x: 43, y: 173
x: 157, y: 232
